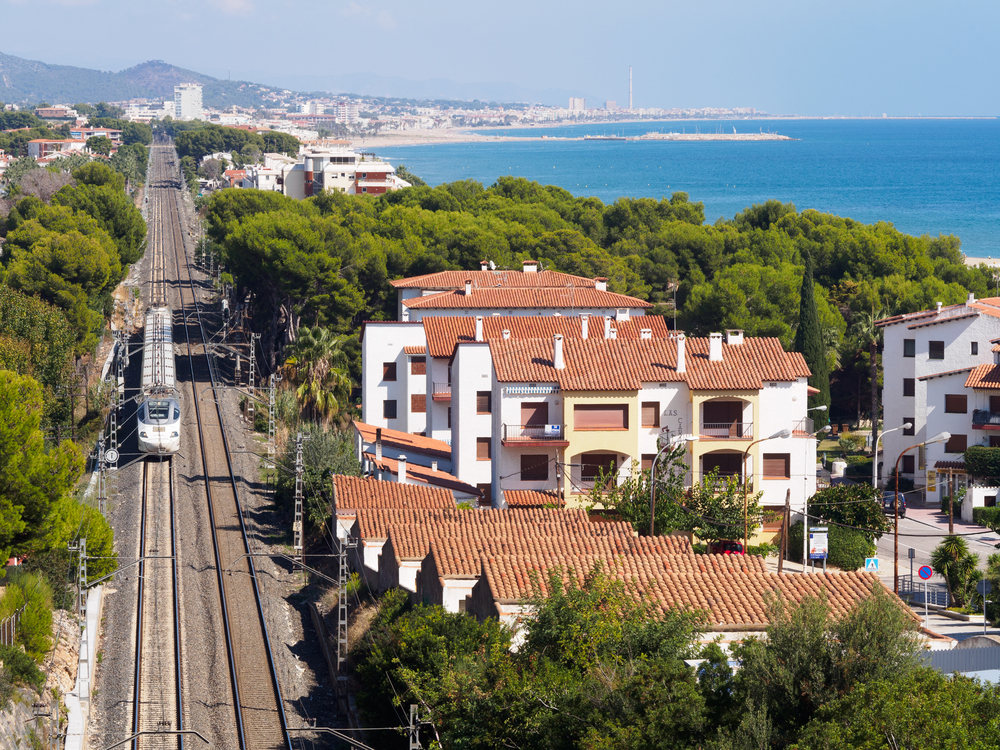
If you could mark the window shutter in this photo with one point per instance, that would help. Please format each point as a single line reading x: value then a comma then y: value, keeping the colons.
x: 935, y: 350
x: 957, y: 444
x: 777, y: 466
x: 534, y: 413
x: 647, y: 461
x: 388, y: 371
x: 483, y: 402
x: 908, y: 465
x: 534, y: 467
x: 418, y: 403
x: 389, y: 409
x: 483, y: 448
x: 650, y: 413
x: 600, y: 416
x: 418, y: 365
x: 909, y: 386
x: 956, y: 403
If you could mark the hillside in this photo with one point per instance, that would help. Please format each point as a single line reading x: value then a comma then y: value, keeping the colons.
x: 31, y: 81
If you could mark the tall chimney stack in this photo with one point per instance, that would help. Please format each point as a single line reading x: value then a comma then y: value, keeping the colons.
x: 607, y: 327
x: 715, y: 347
x: 681, y: 354
x: 479, y: 328
x: 378, y: 443
x: 468, y: 287
x: 401, y: 472
x: 584, y: 320
x: 557, y: 359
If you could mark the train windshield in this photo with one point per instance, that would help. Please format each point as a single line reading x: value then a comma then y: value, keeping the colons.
x: 158, y: 410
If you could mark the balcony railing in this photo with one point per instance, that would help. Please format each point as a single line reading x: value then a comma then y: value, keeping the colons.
x: 803, y: 427
x: 530, y: 433
x: 986, y: 420
x: 442, y: 392
x: 727, y: 430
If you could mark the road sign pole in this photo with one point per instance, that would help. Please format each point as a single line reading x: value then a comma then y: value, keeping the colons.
x: 927, y: 616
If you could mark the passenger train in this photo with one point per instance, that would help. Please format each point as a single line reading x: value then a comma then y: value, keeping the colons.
x: 159, y: 414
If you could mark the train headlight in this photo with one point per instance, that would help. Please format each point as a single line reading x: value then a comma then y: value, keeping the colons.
x: 143, y: 435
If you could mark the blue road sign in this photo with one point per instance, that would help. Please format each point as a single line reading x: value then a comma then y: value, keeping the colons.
x: 871, y: 565
x: 925, y: 572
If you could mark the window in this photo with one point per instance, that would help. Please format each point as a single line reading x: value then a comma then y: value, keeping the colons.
x: 957, y: 444
x: 956, y: 403
x: 484, y: 448
x: 935, y: 349
x: 723, y: 419
x: 389, y: 372
x: 994, y: 403
x: 907, y: 465
x: 909, y: 386
x: 909, y: 347
x: 647, y: 461
x: 364, y: 190
x: 777, y: 466
x: 418, y: 403
x: 487, y: 499
x: 975, y: 348
x: 534, y: 413
x: 592, y: 464
x: 483, y: 402
x: 650, y: 413
x: 389, y: 409
x: 449, y: 417
x: 534, y: 467
x: 418, y: 365
x: 911, y: 430
x: 600, y: 417
x: 728, y: 464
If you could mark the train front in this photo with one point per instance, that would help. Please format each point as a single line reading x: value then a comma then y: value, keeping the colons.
x: 159, y: 425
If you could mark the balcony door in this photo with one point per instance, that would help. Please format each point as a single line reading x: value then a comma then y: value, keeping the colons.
x: 723, y: 419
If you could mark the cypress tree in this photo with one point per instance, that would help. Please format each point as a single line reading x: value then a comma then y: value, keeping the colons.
x: 809, y: 341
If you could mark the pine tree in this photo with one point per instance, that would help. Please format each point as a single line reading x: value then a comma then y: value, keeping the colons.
x: 809, y: 341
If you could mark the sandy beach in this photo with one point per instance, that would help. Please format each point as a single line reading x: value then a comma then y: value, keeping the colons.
x: 991, y: 262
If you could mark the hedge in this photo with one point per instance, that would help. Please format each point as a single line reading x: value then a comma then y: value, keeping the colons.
x: 981, y: 461
x: 848, y: 548
x: 989, y: 517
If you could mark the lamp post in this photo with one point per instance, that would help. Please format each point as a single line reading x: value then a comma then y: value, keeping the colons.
x: 904, y: 426
x: 652, y: 473
x: 805, y: 507
x: 941, y: 437
x: 779, y: 434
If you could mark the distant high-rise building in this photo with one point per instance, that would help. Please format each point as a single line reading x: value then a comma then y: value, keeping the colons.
x: 610, y: 105
x: 577, y: 104
x: 187, y: 101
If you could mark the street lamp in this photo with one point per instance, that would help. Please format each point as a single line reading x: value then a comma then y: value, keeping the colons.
x: 941, y: 437
x: 805, y: 506
x: 905, y: 426
x: 779, y: 434
x: 671, y: 442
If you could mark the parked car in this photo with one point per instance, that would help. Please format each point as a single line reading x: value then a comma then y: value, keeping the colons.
x: 726, y: 547
x: 888, y: 504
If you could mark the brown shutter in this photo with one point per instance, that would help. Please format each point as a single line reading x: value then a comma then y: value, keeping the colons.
x: 956, y: 403
x: 418, y: 403
x: 994, y: 403
x: 600, y: 417
x: 534, y: 413
x: 418, y: 365
x: 592, y: 464
x: 957, y: 444
x: 935, y: 350
x: 534, y: 467
x: 389, y: 409
x: 912, y: 430
x: 647, y: 461
x: 908, y: 465
x: 650, y: 414
x: 388, y: 371
x: 909, y: 386
x: 483, y: 402
x: 777, y: 466
x: 483, y: 448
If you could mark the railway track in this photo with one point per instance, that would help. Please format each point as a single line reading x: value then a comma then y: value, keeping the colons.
x: 259, y: 714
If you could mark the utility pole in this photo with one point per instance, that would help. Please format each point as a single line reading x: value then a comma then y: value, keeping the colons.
x: 102, y: 488
x: 299, y: 471
x: 342, y: 577
x: 83, y: 666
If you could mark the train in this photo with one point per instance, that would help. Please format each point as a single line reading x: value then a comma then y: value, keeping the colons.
x: 159, y: 414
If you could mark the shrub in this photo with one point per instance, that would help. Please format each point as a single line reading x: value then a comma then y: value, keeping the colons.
x: 982, y: 462
x: 848, y: 547
x: 20, y: 668
x: 851, y: 442
x: 989, y: 517
x: 31, y: 591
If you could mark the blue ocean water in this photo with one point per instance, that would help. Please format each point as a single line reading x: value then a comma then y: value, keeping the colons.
x: 924, y: 176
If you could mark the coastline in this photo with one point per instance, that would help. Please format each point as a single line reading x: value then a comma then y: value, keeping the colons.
x: 989, y: 261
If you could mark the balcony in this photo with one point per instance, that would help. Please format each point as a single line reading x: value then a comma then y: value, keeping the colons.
x: 727, y: 430
x: 528, y: 435
x: 803, y: 428
x: 442, y: 392
x: 985, y: 420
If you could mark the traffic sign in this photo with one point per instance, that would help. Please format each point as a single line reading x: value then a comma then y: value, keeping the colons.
x: 925, y: 572
x: 984, y: 587
x: 111, y: 455
x: 871, y: 565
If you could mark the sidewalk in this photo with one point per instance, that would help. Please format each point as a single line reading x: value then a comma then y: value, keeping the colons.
x: 933, y: 517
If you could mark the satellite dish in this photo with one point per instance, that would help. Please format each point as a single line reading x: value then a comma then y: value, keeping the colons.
x: 493, y: 266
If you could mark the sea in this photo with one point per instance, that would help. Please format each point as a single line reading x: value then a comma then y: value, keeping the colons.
x: 925, y: 176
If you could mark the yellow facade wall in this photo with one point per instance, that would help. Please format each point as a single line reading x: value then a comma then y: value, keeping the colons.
x: 623, y: 442
x: 709, y: 445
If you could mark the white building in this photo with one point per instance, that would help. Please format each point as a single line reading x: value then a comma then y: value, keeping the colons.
x: 187, y: 102
x: 933, y: 376
x: 319, y: 169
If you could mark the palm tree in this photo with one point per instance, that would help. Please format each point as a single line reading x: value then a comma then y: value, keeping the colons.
x: 317, y: 363
x: 952, y: 560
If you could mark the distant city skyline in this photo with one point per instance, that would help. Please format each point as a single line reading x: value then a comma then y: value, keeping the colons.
x: 852, y: 57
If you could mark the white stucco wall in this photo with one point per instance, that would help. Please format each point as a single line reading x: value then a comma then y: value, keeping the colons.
x: 384, y: 342
x: 470, y: 372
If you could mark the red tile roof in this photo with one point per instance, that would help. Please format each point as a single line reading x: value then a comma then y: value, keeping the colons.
x: 360, y: 493
x: 491, y: 279
x: 984, y: 377
x: 520, y: 297
x: 428, y: 476
x: 989, y: 306
x: 625, y: 365
x: 532, y: 498
x: 416, y: 350
x: 404, y: 441
x: 945, y: 374
x: 375, y: 523
x: 443, y: 333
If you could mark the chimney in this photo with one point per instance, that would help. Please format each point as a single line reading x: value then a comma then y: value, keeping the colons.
x: 506, y: 333
x: 939, y: 307
x: 434, y: 465
x: 613, y: 334
x: 557, y: 359
x: 584, y: 318
x: 401, y: 472
x: 479, y: 328
x: 972, y: 299
x: 734, y: 336
x: 681, y: 347
x: 601, y: 284
x: 378, y: 443
x: 468, y: 287
x: 607, y: 327
x: 530, y: 266
x: 484, y: 265
x: 645, y: 333
x: 715, y: 347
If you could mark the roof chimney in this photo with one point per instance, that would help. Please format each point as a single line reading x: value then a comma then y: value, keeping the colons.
x: 484, y: 265
x: 972, y: 299
x: 378, y: 443
x: 681, y: 347
x: 479, y: 328
x: 557, y: 359
x: 584, y: 319
x: 434, y: 465
x: 734, y: 336
x: 601, y: 284
x: 530, y: 266
x: 506, y: 333
x: 613, y: 334
x: 468, y: 287
x: 715, y: 347
x: 939, y: 307
x: 401, y: 471
x: 607, y: 327
x: 645, y: 333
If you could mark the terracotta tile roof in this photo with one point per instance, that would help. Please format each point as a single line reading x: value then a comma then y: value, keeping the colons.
x: 945, y: 374
x: 415, y: 350
x: 984, y: 377
x: 988, y: 306
x: 625, y: 365
x: 404, y: 441
x: 995, y: 348
x: 519, y: 297
x: 953, y: 465
x: 491, y: 279
x: 360, y: 493
x: 374, y: 523
x: 532, y: 498
x: 443, y: 333
x: 417, y: 473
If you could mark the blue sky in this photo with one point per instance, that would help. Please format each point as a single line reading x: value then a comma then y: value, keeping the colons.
x: 843, y: 57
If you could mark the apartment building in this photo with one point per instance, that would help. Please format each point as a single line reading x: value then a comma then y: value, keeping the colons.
x: 938, y: 376
x: 40, y: 148
x: 187, y: 102
x: 81, y: 133
x: 332, y: 169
